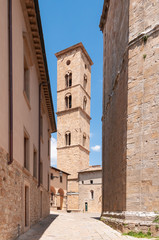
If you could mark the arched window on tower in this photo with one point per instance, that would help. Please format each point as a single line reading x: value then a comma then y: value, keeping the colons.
x: 68, y: 79
x: 92, y: 194
x: 68, y: 101
x: 84, y: 103
x: 85, y: 81
x: 84, y: 139
x: 68, y: 138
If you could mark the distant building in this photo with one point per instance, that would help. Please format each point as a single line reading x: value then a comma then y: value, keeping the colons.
x: 73, y: 115
x: 26, y: 119
x: 90, y: 189
x: 130, y: 114
x: 58, y: 189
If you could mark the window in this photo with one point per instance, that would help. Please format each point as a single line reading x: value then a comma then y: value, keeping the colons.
x: 85, y: 81
x: 52, y: 176
x: 68, y: 138
x: 84, y: 139
x: 68, y: 101
x: 92, y: 194
x: 41, y: 172
x: 26, y: 79
x: 68, y: 79
x: 26, y: 151
x: 82, y: 182
x: 91, y: 181
x: 84, y: 103
x: 68, y: 62
x: 61, y: 177
x: 26, y: 198
x: 41, y: 126
x: 35, y: 163
x: 52, y: 196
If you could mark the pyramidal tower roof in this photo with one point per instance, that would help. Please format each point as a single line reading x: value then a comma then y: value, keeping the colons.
x: 78, y: 45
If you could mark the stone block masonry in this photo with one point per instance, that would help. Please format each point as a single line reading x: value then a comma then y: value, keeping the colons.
x: 130, y: 114
x: 14, y: 219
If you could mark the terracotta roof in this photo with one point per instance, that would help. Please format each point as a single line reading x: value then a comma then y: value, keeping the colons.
x: 78, y: 45
x: 92, y: 169
x: 59, y: 170
x: 103, y: 18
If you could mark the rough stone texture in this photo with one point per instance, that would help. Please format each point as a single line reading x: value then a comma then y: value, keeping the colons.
x: 75, y: 157
x: 58, y: 189
x: 13, y: 179
x: 130, y: 112
x: 85, y: 188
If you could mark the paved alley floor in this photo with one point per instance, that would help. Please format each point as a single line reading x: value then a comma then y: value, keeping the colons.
x: 72, y: 226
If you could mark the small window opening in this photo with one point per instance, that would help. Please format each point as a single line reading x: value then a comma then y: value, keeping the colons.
x: 84, y: 103
x: 68, y: 101
x: 26, y: 152
x: 82, y: 182
x: 91, y: 181
x: 61, y: 177
x: 68, y: 138
x: 26, y: 79
x: 68, y: 79
x: 84, y: 139
x: 35, y: 164
x: 92, y: 194
x: 85, y: 82
x: 85, y: 66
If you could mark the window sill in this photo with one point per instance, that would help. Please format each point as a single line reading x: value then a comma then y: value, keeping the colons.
x: 27, y: 100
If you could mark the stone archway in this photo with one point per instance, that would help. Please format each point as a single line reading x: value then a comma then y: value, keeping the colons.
x: 60, y: 199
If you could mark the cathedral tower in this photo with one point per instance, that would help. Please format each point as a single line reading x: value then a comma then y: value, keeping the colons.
x: 73, y: 115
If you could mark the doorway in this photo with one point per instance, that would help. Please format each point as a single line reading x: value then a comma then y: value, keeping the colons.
x: 86, y: 207
x: 26, y: 197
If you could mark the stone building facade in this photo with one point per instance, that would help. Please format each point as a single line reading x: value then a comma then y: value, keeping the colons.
x: 26, y: 119
x: 90, y: 189
x: 73, y: 115
x: 58, y: 189
x: 130, y: 113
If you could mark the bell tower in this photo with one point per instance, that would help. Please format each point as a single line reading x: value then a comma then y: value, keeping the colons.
x: 73, y: 115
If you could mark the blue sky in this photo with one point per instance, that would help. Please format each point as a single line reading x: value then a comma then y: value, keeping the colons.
x: 65, y: 23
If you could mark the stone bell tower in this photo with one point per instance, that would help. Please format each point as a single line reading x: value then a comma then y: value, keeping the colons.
x: 73, y: 115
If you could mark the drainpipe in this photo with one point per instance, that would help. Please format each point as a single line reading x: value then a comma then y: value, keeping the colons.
x: 10, y: 82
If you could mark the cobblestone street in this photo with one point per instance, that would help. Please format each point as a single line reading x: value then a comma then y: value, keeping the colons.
x: 72, y: 226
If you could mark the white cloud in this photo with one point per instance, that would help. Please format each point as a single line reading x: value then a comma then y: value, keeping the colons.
x: 96, y: 148
x: 53, y: 151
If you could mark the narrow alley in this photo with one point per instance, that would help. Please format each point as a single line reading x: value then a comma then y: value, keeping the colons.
x: 72, y: 226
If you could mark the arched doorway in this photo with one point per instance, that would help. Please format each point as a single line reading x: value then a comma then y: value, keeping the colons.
x: 60, y: 199
x: 52, y: 196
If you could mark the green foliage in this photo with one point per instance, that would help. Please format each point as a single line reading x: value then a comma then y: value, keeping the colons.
x: 144, y: 56
x: 145, y: 39
x: 139, y: 234
x: 156, y: 220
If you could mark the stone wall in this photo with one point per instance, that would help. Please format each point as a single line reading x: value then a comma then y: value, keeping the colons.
x: 114, y: 130
x: 130, y: 114
x: 13, y: 179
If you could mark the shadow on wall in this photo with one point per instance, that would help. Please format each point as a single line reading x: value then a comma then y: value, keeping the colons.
x: 37, y: 230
